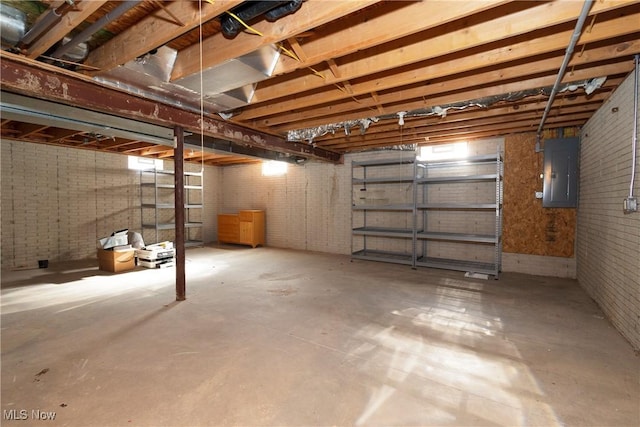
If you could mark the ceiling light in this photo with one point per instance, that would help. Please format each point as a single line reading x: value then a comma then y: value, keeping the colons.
x: 401, y: 115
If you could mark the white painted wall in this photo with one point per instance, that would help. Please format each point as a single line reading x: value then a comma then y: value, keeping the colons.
x: 56, y: 202
x: 309, y: 208
x: 608, y: 243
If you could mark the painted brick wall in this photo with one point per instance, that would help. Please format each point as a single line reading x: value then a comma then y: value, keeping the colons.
x: 309, y: 208
x: 608, y: 243
x: 56, y: 202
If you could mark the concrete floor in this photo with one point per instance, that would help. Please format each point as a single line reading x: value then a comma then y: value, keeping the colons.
x: 284, y: 338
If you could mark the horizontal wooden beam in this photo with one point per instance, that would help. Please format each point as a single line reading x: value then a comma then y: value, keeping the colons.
x: 152, y: 32
x: 217, y: 49
x: 263, y: 113
x: 43, y: 81
x: 348, y: 109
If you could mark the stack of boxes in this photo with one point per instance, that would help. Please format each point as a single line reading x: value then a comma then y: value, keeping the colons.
x: 115, y: 254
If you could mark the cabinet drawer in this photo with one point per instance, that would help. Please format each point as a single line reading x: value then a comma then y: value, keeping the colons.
x: 229, y: 235
x: 228, y: 219
x: 246, y: 216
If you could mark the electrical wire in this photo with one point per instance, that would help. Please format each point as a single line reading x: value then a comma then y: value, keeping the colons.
x: 244, y: 24
x: 634, y: 142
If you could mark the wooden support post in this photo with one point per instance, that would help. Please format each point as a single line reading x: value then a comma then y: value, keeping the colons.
x: 178, y: 161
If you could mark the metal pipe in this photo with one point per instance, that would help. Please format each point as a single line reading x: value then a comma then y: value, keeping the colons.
x: 247, y: 11
x: 42, y: 25
x: 178, y: 176
x: 586, y: 7
x: 12, y: 26
x: 634, y: 142
x: 83, y: 36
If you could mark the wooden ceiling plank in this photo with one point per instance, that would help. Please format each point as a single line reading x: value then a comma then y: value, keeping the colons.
x: 120, y: 145
x: 431, y: 95
x: 376, y: 60
x: 476, y: 93
x: 152, y: 32
x: 383, y: 24
x: 217, y: 49
x: 166, y: 154
x: 466, y: 64
x: 28, y: 129
x: 59, y: 134
x: 68, y: 22
x: 513, y: 120
x: 497, y: 130
x: 154, y: 149
x: 476, y: 118
x: 139, y: 149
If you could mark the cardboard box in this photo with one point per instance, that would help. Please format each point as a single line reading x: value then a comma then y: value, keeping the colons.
x: 155, y: 254
x: 117, y: 238
x: 116, y: 261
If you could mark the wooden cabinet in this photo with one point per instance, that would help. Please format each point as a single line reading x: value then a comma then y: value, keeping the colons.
x: 244, y: 228
x: 228, y: 228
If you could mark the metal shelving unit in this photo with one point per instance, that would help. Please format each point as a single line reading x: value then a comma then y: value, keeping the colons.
x: 384, y: 186
x: 487, y: 210
x: 157, y: 206
x: 405, y: 221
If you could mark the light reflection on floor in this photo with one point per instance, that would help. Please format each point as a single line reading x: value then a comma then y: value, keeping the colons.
x: 448, y: 364
x: 91, y: 286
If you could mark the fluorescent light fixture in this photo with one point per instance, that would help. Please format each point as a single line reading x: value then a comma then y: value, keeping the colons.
x: 458, y: 150
x: 144, y: 163
x: 274, y: 168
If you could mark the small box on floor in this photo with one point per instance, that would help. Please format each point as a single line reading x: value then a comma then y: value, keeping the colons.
x: 116, y: 261
x: 160, y: 255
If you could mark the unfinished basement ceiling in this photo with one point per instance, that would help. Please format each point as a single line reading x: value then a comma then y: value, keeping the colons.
x: 342, y: 73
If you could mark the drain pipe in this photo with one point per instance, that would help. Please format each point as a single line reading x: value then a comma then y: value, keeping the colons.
x: 95, y: 27
x: 46, y: 22
x: 567, y: 57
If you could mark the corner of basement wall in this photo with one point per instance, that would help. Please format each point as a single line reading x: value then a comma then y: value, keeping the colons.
x: 608, y: 243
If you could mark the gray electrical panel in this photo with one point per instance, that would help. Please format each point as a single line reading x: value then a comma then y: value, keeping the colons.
x: 561, y: 173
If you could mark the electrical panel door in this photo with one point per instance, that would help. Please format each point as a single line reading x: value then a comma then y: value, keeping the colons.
x: 561, y: 173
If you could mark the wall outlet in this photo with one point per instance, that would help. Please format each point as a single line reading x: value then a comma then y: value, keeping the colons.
x: 538, y: 194
x: 630, y: 204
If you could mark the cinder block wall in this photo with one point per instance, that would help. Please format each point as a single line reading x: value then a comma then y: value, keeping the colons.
x: 608, y: 244
x: 309, y: 208
x: 56, y: 202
